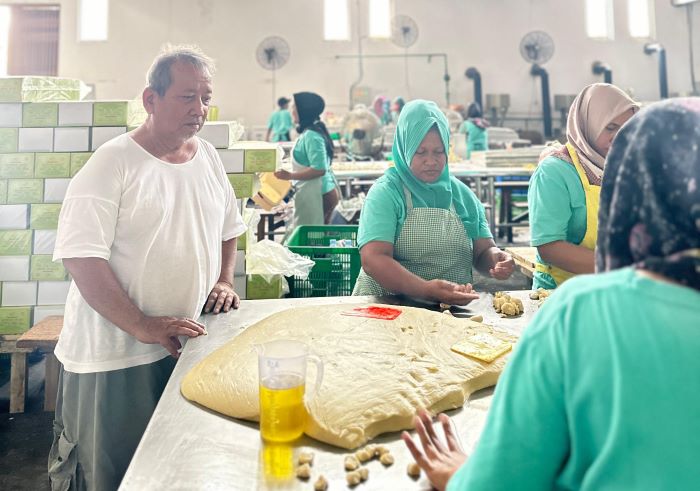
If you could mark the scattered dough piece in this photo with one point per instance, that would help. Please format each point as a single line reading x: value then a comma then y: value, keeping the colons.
x: 413, y: 470
x: 353, y: 478
x: 509, y: 309
x: 506, y: 305
x: 321, y: 484
x: 444, y: 306
x: 364, y: 473
x: 371, y: 448
x: 304, y: 471
x: 306, y: 458
x: 386, y: 459
x: 380, y: 450
x: 477, y: 318
x: 447, y: 312
x: 540, y: 294
x: 351, y: 463
x: 364, y: 455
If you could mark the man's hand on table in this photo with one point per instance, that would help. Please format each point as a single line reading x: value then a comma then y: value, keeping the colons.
x: 221, y: 298
x: 165, y: 330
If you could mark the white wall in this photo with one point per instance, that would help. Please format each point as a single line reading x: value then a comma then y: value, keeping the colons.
x: 481, y: 33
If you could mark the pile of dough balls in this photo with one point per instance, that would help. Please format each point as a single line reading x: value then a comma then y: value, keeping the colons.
x: 305, y: 461
x: 540, y: 294
x: 506, y: 305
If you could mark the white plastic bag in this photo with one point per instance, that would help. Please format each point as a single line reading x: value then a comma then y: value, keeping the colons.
x: 268, y: 258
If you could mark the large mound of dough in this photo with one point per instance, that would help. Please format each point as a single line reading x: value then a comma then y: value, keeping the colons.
x: 377, y: 372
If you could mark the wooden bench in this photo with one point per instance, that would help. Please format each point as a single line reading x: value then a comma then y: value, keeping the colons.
x: 43, y: 336
x: 18, y: 370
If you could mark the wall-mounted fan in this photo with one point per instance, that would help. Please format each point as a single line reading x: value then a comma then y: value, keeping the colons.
x: 537, y: 47
x: 272, y: 54
x: 404, y: 31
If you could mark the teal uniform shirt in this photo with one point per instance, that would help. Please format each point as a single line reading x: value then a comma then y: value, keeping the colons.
x: 280, y: 123
x: 310, y: 151
x: 477, y: 137
x: 557, y: 206
x: 601, y: 393
x: 384, y: 211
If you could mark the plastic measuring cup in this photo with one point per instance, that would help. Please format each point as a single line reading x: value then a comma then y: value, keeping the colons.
x: 282, y: 382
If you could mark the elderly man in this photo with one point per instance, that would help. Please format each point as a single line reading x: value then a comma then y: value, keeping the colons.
x: 148, y: 232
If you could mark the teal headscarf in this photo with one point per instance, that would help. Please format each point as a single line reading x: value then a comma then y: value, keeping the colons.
x: 416, y: 119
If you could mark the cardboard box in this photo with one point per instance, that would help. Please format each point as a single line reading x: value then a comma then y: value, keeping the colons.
x: 39, y: 114
x: 15, y: 320
x: 239, y: 286
x: 25, y: 191
x: 39, y: 89
x: 259, y: 288
x: 14, y: 217
x: 18, y: 293
x: 52, y: 165
x: 75, y: 113
x: 15, y: 242
x: 244, y: 185
x: 3, y: 191
x: 232, y: 160
x: 44, y: 216
x: 239, y: 267
x: 44, y: 241
x: 272, y: 191
x: 42, y: 268
x: 221, y: 134
x: 55, y: 190
x: 118, y: 113
x: 10, y: 115
x: 35, y: 140
x: 101, y: 135
x: 16, y: 165
x: 259, y: 156
x: 14, y: 268
x: 77, y: 161
x: 52, y: 292
x: 72, y: 139
x: 41, y: 312
x: 9, y: 138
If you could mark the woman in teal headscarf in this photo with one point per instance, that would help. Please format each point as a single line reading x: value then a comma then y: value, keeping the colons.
x: 421, y: 229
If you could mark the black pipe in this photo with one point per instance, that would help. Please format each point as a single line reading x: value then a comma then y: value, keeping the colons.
x: 538, y: 71
x: 600, y: 68
x: 650, y: 48
x: 473, y: 74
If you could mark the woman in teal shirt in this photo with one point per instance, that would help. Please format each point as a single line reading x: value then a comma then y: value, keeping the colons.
x: 475, y: 128
x: 420, y: 228
x: 280, y: 122
x: 316, y: 194
x: 602, y: 390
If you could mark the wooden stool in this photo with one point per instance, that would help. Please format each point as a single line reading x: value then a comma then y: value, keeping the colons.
x: 44, y: 336
x: 18, y: 370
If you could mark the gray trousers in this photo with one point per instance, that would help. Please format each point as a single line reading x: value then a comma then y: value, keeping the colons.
x: 100, y: 418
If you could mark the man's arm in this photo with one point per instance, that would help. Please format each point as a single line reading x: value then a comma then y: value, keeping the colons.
x: 222, y: 297
x: 102, y: 291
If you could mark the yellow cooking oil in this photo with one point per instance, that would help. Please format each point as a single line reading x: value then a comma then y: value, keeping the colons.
x: 277, y: 461
x: 282, y: 411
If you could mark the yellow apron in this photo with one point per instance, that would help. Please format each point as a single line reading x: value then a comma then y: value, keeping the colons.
x: 592, y: 194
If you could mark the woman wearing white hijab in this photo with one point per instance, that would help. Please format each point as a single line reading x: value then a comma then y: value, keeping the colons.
x: 565, y: 189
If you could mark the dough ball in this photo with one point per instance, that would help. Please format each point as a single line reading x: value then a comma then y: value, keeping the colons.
x: 306, y: 458
x: 304, y: 471
x: 364, y: 473
x: 364, y: 455
x: 321, y: 484
x: 534, y: 295
x: 351, y: 463
x: 509, y: 309
x: 519, y: 304
x: 477, y: 318
x: 353, y: 478
x: 380, y: 450
x: 413, y: 470
x: 386, y: 459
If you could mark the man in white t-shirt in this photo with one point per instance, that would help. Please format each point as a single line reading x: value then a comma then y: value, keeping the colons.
x: 148, y: 232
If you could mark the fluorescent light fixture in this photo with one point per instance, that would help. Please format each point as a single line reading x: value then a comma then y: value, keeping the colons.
x: 5, y: 19
x: 380, y: 18
x: 336, y: 20
x: 93, y: 20
x: 599, y: 19
x: 640, y: 15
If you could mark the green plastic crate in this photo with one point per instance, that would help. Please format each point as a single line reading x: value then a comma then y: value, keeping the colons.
x: 336, y: 268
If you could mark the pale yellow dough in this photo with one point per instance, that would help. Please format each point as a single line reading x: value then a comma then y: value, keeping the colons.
x: 377, y: 372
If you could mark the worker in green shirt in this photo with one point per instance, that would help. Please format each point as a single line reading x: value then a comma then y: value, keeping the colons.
x: 602, y: 391
x: 565, y: 188
x: 421, y: 230
x: 475, y: 129
x: 280, y: 122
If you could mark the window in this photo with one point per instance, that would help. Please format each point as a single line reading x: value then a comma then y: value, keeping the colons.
x: 599, y: 19
x: 379, y: 18
x: 93, y: 20
x: 640, y: 14
x: 336, y: 20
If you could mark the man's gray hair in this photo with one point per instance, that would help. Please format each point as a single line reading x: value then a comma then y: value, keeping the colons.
x: 159, y: 76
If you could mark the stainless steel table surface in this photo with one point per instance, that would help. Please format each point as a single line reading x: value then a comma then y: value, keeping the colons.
x: 188, y: 447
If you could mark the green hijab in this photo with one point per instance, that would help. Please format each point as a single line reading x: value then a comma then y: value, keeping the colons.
x: 416, y: 119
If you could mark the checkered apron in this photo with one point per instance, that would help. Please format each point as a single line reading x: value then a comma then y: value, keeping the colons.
x: 433, y: 244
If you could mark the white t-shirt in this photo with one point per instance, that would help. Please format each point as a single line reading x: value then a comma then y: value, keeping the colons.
x: 160, y: 226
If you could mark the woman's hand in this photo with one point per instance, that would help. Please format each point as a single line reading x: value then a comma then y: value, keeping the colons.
x: 450, y: 293
x: 440, y: 460
x: 283, y: 174
x: 503, y: 265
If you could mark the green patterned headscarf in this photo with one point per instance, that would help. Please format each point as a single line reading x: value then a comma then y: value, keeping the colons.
x: 415, y: 120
